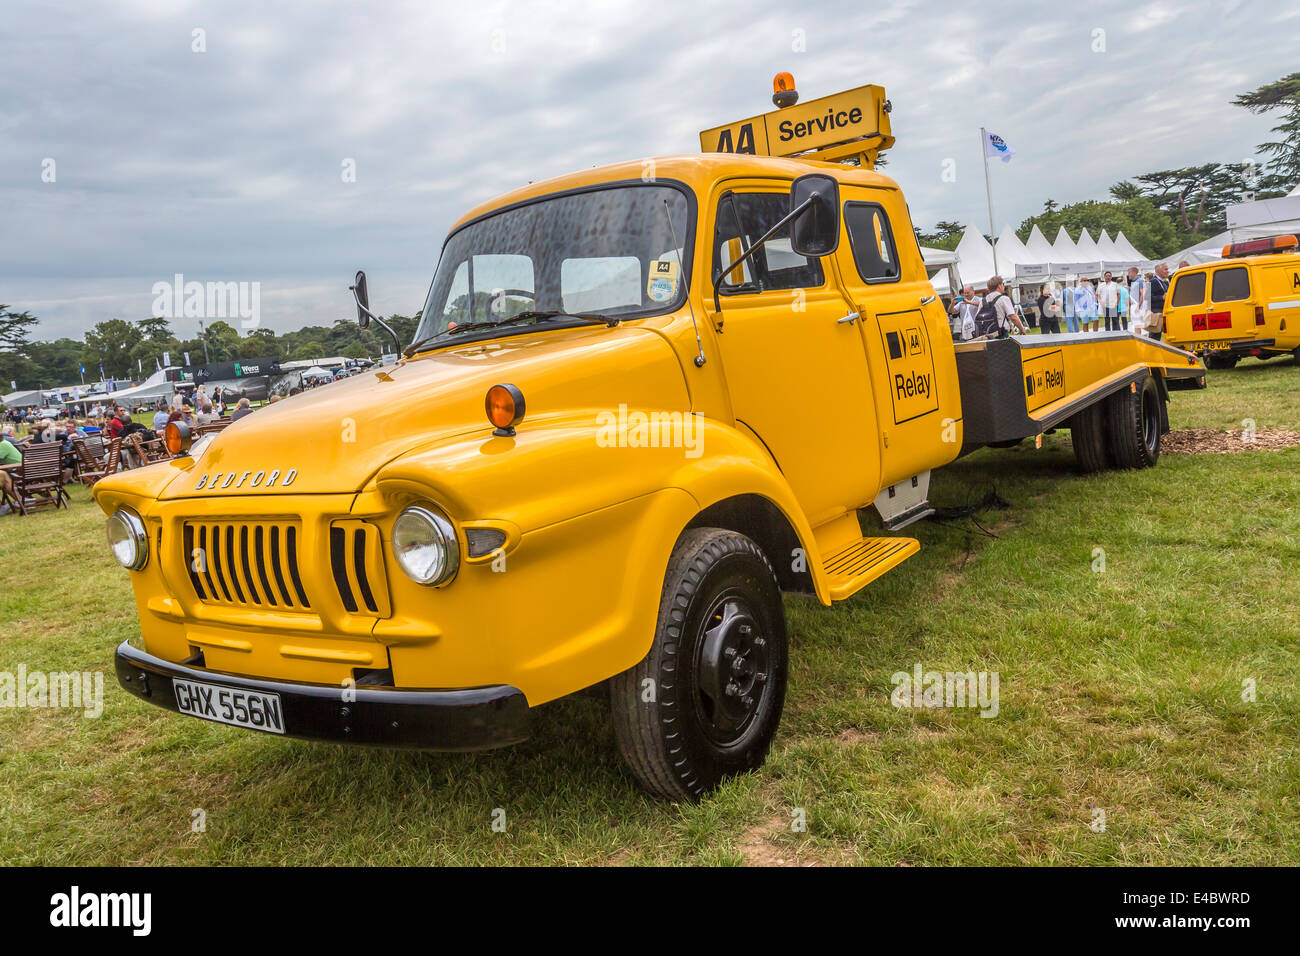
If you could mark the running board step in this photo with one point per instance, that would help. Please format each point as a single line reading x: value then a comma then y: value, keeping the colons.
x: 852, y: 569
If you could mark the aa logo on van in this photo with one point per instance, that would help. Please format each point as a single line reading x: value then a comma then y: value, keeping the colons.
x: 1044, y: 380
x: 911, y: 365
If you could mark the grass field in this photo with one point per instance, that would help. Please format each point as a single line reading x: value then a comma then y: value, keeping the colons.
x: 1120, y: 691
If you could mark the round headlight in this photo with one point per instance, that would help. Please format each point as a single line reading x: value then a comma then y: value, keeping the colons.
x: 127, y: 539
x: 424, y: 543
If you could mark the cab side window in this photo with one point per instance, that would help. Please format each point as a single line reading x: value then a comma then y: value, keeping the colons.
x: 742, y: 219
x: 1189, y: 289
x: 872, y: 241
x: 1230, y: 285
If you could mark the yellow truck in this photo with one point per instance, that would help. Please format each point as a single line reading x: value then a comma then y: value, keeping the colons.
x: 643, y: 402
x: 1247, y: 304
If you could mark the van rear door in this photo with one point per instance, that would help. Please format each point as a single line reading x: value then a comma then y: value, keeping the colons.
x: 1208, y: 308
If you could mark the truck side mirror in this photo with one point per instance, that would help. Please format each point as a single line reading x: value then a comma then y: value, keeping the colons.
x: 362, y: 295
x: 816, y: 231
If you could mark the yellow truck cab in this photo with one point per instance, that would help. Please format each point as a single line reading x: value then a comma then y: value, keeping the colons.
x: 1246, y: 304
x: 643, y: 402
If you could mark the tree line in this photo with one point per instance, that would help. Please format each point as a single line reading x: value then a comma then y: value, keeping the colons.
x: 133, y: 350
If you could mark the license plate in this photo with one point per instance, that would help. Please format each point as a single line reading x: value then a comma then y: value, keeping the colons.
x: 1213, y: 346
x: 229, y: 705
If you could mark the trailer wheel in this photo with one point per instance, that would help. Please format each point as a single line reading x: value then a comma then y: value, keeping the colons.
x: 1088, y: 435
x: 1135, y: 425
x: 705, y: 701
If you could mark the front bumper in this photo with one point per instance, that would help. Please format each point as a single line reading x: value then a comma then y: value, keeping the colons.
x: 474, y: 719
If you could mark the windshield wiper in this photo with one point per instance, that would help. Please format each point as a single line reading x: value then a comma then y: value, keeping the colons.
x: 532, y: 314
x: 535, y: 315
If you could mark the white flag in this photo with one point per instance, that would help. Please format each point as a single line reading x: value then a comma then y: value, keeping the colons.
x: 167, y: 358
x: 187, y: 358
x: 996, y: 147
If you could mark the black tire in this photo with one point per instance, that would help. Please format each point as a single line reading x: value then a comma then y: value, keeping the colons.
x: 716, y: 670
x: 1089, y: 434
x: 1135, y: 425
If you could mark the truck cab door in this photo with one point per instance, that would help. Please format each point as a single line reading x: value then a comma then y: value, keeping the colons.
x: 795, y: 368
x: 905, y: 334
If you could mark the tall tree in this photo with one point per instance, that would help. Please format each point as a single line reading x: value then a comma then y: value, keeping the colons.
x: 15, y: 330
x: 111, y: 342
x: 156, y: 329
x: 946, y: 235
x: 1282, y: 170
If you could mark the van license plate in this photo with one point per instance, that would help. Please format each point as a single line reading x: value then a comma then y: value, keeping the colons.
x: 228, y: 705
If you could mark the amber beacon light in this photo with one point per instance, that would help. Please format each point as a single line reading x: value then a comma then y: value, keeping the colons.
x: 783, y: 92
x: 505, y: 408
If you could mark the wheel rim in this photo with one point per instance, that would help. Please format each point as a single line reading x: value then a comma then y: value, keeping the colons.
x: 734, y: 668
x: 1150, y: 422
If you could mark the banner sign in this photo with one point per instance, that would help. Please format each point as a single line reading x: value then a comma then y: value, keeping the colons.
x: 796, y: 129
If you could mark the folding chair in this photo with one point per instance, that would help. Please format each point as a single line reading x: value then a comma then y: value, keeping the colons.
x: 91, y: 470
x: 38, y: 481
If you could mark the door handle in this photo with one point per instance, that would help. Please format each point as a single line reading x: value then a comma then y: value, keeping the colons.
x: 849, y: 319
x: 927, y: 299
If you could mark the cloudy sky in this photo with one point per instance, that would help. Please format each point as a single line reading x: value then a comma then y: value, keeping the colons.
x: 226, y: 164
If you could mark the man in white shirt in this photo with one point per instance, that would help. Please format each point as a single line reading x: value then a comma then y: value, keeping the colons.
x: 964, y: 308
x: 1108, y: 302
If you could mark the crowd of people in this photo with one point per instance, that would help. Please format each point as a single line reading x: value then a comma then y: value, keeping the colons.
x: 1114, y: 303
x: 107, y: 422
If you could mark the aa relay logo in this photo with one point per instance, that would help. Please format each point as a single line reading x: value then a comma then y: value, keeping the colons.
x: 911, y: 366
x: 1044, y: 380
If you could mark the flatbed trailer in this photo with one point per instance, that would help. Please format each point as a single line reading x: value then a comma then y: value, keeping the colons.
x: 643, y: 402
x: 1026, y: 385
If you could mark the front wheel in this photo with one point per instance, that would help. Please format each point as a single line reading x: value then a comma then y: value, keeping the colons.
x: 706, y: 700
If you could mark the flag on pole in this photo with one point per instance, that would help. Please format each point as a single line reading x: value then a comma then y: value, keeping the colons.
x: 167, y: 358
x: 101, y: 370
x: 996, y: 147
x: 139, y: 365
x: 187, y: 358
x: 82, y: 368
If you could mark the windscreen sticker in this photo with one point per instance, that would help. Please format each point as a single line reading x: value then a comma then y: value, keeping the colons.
x: 912, y: 385
x: 1044, y: 380
x: 662, y: 284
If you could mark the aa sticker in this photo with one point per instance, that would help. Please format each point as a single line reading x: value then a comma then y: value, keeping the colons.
x: 662, y: 284
x: 1044, y: 380
x: 911, y: 366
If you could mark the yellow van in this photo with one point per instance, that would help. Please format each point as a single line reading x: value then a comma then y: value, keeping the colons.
x: 1247, y: 304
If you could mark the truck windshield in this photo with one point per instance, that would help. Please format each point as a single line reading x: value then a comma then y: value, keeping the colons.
x: 606, y: 252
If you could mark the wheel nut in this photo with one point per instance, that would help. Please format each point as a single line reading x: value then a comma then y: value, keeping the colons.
x: 760, y: 642
x: 732, y: 689
x: 746, y: 630
x: 729, y: 652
